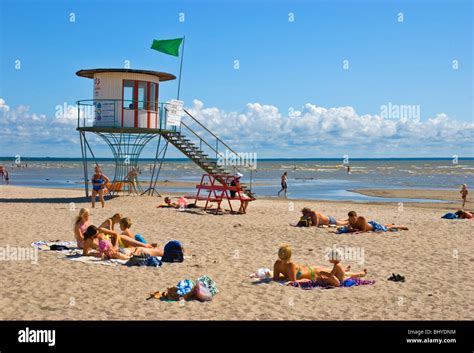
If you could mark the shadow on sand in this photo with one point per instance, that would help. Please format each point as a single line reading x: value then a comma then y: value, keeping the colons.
x: 54, y: 200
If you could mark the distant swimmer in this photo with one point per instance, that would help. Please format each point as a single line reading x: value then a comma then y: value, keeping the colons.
x: 348, y: 169
x: 284, y: 186
x: 464, y: 192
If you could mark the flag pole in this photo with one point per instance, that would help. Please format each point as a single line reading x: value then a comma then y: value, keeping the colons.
x: 181, y: 67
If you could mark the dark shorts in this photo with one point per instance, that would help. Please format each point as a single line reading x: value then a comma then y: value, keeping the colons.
x: 284, y: 186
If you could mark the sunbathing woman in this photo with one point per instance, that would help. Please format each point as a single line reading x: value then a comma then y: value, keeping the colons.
x: 360, y: 224
x: 80, y: 226
x: 284, y: 268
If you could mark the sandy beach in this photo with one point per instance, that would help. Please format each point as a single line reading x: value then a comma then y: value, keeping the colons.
x: 435, y: 256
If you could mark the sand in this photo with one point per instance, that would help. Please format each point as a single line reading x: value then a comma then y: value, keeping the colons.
x: 436, y: 257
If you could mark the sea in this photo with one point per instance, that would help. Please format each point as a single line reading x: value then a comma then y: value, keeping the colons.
x: 318, y: 179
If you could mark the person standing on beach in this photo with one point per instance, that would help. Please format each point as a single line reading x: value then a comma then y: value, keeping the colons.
x: 464, y: 191
x: 284, y: 186
x: 99, y: 181
x: 4, y: 174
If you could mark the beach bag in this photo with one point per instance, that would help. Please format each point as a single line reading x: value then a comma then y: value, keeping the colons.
x: 173, y: 252
x: 202, y: 293
x: 207, y: 282
x: 305, y: 222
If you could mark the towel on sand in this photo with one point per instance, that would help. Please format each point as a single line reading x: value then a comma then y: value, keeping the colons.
x: 45, y: 244
x: 350, y: 282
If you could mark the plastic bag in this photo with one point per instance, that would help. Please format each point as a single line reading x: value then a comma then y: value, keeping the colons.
x: 202, y: 293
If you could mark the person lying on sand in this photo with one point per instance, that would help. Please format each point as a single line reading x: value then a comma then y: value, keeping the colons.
x: 360, y: 224
x: 112, y: 250
x: 339, y: 274
x: 319, y: 219
x: 168, y: 204
x: 128, y: 238
x: 284, y: 268
x: 464, y: 214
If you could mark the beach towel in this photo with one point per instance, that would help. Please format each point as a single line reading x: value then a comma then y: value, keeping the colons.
x: 92, y: 260
x: 450, y: 216
x: 350, y: 282
x: 342, y: 230
x: 46, y: 244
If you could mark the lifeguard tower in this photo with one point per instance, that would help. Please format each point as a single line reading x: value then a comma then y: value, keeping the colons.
x: 126, y: 113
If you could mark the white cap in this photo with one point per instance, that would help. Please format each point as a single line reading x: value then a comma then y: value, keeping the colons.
x: 238, y: 175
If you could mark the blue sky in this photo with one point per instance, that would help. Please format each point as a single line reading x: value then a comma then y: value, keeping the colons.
x: 283, y: 65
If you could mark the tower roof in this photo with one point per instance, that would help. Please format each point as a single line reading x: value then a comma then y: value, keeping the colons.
x: 163, y: 76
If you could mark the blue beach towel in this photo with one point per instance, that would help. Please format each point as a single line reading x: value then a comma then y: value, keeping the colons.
x: 342, y: 230
x: 450, y: 216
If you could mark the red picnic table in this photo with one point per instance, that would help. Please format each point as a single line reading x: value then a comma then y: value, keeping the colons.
x: 219, y: 187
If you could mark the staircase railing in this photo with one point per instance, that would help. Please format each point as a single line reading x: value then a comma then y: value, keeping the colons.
x: 210, y: 143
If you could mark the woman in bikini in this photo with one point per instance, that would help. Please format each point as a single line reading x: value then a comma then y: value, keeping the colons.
x: 99, y: 181
x: 80, y: 226
x: 284, y: 268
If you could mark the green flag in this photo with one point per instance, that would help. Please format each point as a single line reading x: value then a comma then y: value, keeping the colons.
x: 167, y: 46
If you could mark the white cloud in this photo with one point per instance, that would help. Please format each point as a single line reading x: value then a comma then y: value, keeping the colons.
x: 335, y: 129
x: 311, y: 131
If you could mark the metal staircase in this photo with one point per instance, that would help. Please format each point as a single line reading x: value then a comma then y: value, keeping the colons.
x: 203, y: 148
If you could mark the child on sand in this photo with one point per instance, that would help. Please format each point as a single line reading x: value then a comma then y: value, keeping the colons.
x: 127, y: 238
x: 338, y: 274
x: 109, y: 223
x: 464, y: 191
x: 80, y: 226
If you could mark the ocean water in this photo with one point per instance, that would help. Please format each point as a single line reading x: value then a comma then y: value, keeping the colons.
x: 322, y: 179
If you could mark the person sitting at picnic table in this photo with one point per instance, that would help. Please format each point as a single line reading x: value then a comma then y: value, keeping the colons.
x: 233, y: 193
x: 99, y: 181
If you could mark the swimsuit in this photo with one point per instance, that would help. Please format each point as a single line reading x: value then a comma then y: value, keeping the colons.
x: 100, y: 181
x: 311, y: 272
x: 106, y: 248
x: 332, y: 220
x: 378, y: 227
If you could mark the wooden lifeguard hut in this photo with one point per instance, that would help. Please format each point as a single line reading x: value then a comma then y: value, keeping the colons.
x: 126, y: 113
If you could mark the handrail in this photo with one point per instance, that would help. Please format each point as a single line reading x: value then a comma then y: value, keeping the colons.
x: 200, y: 138
x: 217, y: 138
